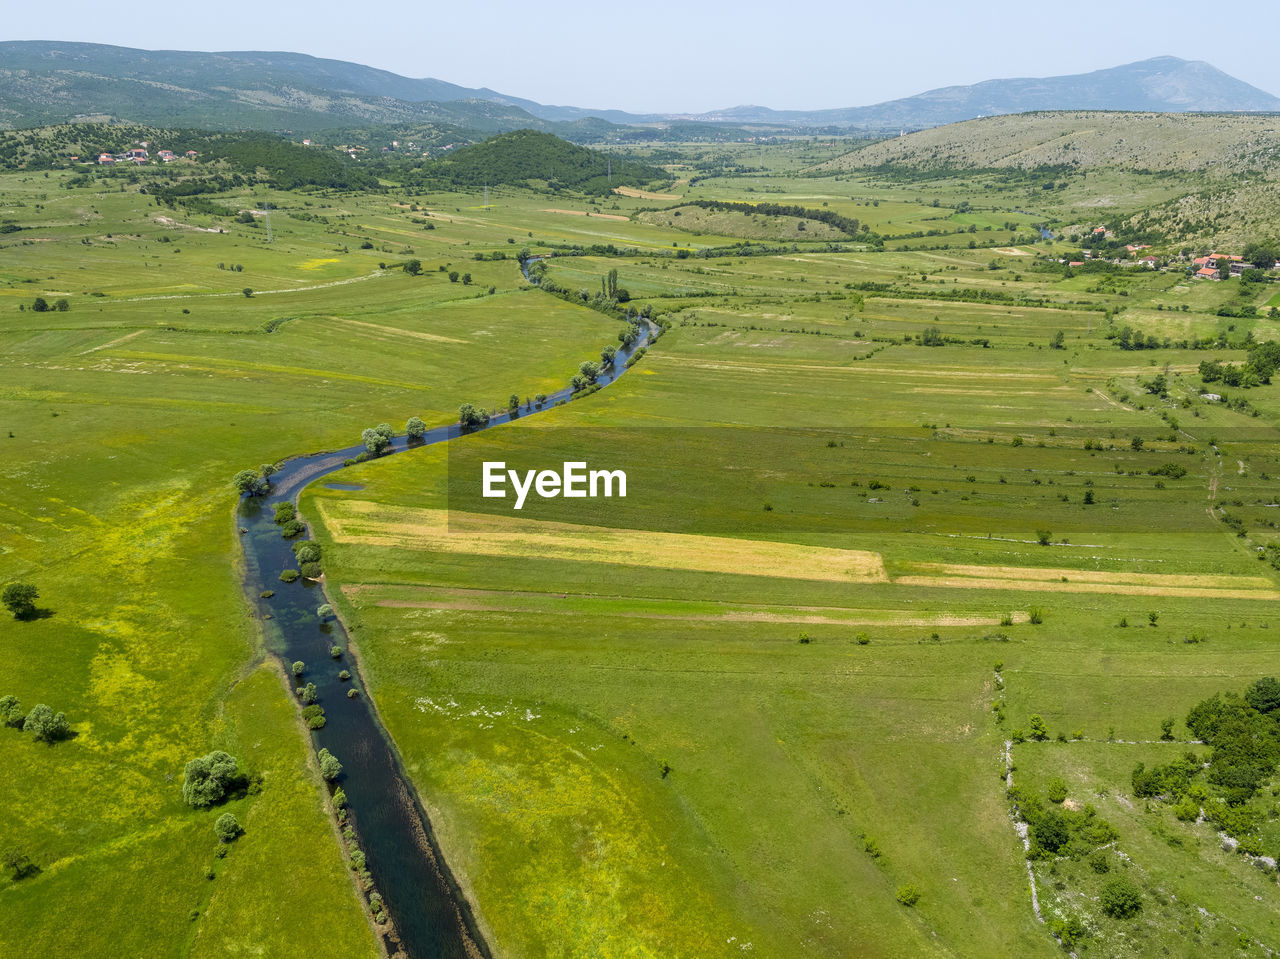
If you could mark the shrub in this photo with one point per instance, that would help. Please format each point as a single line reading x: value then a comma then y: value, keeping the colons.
x: 298, y: 667
x: 344, y: 675
x: 1056, y: 790
x: 266, y: 594
x: 352, y: 693
x: 1036, y: 616
x: 324, y: 611
x: 908, y: 895
x: 289, y: 576
x: 311, y: 570
x: 330, y: 768
x: 1099, y: 861
x: 226, y: 827
x: 335, y: 652
x: 291, y: 528
x: 1120, y: 898
x: 307, y: 693
x: 313, y: 716
x: 206, y: 779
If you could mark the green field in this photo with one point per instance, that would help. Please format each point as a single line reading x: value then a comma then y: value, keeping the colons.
x: 737, y: 711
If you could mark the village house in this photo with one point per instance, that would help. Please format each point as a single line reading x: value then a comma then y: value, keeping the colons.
x: 1212, y: 267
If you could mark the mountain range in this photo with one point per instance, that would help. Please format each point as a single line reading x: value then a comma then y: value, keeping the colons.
x: 51, y: 82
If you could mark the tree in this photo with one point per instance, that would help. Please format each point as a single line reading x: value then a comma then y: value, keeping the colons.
x: 11, y: 711
x: 206, y: 779
x: 46, y: 725
x: 1166, y: 729
x: 1264, y: 695
x: 226, y: 827
x: 466, y: 279
x: 1039, y: 731
x: 1059, y: 341
x: 306, y: 551
x: 40, y: 305
x: 18, y: 865
x: 20, y: 599
x: 590, y: 370
x: 413, y: 267
x: 1044, y: 537
x: 251, y: 482
x: 324, y: 611
x: 415, y: 428
x: 330, y: 768
x: 62, y: 305
x: 298, y: 667
x: 307, y: 693
x: 607, y: 356
x: 1264, y: 256
x: 472, y: 418
x: 374, y: 441
x: 248, y: 292
x: 513, y: 403
x: 453, y: 276
x: 1120, y: 898
x: 1057, y: 790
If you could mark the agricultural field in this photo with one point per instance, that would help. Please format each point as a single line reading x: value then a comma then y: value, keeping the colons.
x: 912, y: 531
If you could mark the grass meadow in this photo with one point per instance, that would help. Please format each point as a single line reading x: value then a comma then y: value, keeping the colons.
x: 734, y: 713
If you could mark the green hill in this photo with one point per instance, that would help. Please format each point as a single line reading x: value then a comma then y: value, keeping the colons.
x: 528, y: 157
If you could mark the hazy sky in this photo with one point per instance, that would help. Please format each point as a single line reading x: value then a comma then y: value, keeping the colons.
x: 658, y: 56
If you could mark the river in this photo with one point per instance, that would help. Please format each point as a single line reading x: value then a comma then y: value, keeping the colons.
x: 429, y: 916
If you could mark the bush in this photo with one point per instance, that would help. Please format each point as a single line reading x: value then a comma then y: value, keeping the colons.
x: 1100, y: 862
x: 306, y: 551
x: 324, y: 611
x: 206, y: 779
x: 45, y: 725
x: 307, y: 693
x: 335, y: 652
x: 311, y: 570
x: 313, y: 716
x: 344, y: 675
x: 908, y: 895
x: 291, y: 528
x: 289, y: 576
x: 1120, y: 898
x: 226, y: 827
x: 1057, y: 790
x: 330, y: 768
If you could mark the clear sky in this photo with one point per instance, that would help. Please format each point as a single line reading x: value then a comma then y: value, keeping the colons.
x: 658, y: 56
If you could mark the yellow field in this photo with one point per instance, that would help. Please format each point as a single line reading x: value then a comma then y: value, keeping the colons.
x: 1089, y: 581
x: 444, y: 531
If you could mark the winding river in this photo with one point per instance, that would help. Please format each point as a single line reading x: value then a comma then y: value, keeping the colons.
x: 429, y: 916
